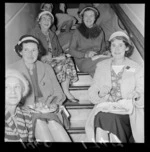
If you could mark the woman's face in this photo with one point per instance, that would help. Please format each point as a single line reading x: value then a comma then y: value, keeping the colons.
x: 29, y: 52
x: 13, y: 91
x: 118, y: 49
x: 47, y: 7
x: 45, y: 21
x: 89, y: 18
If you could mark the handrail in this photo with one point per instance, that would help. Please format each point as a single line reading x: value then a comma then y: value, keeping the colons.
x: 134, y: 34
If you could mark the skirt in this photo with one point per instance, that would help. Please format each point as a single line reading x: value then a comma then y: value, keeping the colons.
x: 65, y: 69
x: 115, y: 123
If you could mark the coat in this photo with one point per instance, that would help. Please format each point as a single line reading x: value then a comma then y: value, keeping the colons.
x: 132, y: 80
x: 47, y: 82
x: 56, y: 48
x: 80, y: 45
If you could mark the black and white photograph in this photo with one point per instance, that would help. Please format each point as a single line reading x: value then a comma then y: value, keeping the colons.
x: 74, y: 73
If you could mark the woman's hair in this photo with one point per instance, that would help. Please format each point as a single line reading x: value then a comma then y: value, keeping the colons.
x: 95, y: 13
x: 27, y: 39
x: 126, y: 42
x: 22, y: 79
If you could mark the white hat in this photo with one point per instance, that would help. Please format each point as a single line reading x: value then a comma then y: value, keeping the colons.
x: 46, y: 12
x: 20, y: 76
x: 119, y: 33
x: 28, y: 38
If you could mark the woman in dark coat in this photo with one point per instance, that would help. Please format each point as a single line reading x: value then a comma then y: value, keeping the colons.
x: 53, y: 54
x: 88, y: 40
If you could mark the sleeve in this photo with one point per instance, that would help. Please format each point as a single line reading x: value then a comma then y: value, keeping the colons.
x: 139, y: 79
x: 59, y: 48
x: 56, y: 86
x: 74, y: 46
x: 103, y: 42
x: 94, y: 90
x: 29, y: 124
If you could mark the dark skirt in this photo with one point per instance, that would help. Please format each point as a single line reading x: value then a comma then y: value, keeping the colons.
x: 115, y: 123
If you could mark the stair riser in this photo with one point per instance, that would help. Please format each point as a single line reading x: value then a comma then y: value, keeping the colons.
x: 84, y: 80
x: 79, y: 138
x: 78, y: 117
x: 82, y: 95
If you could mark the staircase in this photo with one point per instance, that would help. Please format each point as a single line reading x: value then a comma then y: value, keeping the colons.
x: 79, y: 111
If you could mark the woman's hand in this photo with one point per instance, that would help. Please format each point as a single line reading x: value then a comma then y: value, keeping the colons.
x: 90, y: 54
x: 46, y: 58
x: 62, y: 57
x: 133, y: 95
x: 104, y: 91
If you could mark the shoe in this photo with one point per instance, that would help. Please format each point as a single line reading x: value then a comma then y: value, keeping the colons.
x: 74, y: 100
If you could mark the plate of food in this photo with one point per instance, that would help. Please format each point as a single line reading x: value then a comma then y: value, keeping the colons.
x: 42, y: 109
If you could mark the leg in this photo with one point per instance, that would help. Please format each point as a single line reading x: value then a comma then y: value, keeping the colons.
x: 58, y: 132
x: 101, y: 135
x: 114, y: 138
x: 65, y: 86
x: 42, y: 132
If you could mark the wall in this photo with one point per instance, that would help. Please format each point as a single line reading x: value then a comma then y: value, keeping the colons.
x: 136, y: 12
x: 19, y: 19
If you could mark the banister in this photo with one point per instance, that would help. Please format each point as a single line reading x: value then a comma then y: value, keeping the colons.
x: 134, y: 34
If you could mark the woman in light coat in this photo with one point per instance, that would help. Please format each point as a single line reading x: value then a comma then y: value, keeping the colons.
x: 118, y: 94
x: 45, y: 90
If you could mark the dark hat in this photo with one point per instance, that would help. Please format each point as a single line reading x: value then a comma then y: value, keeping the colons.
x: 85, y: 6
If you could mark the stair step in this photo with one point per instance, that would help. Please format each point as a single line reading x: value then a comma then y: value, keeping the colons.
x: 84, y: 80
x: 76, y: 130
x: 71, y: 105
x: 72, y: 88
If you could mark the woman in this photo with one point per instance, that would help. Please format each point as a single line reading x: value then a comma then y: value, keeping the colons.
x: 65, y: 21
x: 45, y: 90
x: 63, y: 66
x: 48, y: 7
x: 88, y: 40
x: 18, y: 121
x: 118, y: 94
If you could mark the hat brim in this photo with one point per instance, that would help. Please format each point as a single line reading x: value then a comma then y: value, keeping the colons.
x: 120, y: 33
x: 89, y: 7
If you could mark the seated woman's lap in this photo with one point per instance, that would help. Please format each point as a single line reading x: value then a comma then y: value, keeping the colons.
x: 116, y: 124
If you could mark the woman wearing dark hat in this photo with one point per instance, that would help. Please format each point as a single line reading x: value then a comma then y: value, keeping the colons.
x: 63, y: 65
x: 118, y: 94
x: 45, y: 93
x: 88, y: 40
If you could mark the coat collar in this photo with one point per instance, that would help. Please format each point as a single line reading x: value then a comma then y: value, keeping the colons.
x: 40, y: 69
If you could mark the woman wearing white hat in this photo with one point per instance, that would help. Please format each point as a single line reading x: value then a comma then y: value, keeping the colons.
x: 53, y: 54
x: 118, y: 93
x: 88, y: 40
x: 45, y: 95
x: 18, y: 121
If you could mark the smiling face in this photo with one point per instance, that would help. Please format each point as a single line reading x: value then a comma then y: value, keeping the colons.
x: 89, y: 18
x: 118, y: 48
x: 13, y: 91
x: 29, y: 52
x: 45, y: 21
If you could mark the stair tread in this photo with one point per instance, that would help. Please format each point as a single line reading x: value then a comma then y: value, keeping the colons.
x: 79, y: 87
x: 76, y: 130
